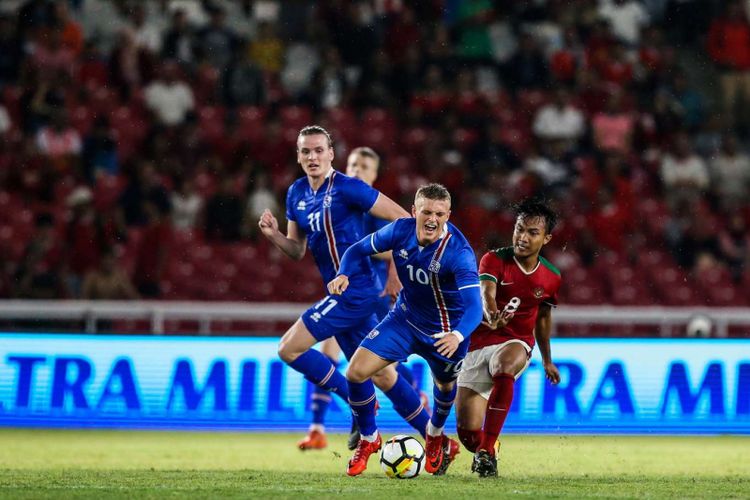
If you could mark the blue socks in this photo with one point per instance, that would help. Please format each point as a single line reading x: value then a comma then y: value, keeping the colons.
x: 318, y: 369
x: 362, y: 401
x: 405, y: 372
x: 443, y: 405
x: 406, y: 402
x: 320, y: 401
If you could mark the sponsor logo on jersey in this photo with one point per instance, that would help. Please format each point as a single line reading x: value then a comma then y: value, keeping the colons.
x: 327, y: 201
x: 538, y: 292
x: 434, y: 267
x: 403, y: 253
x: 373, y: 334
x: 301, y: 205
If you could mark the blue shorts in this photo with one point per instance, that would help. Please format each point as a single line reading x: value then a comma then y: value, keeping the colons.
x: 347, y: 320
x: 383, y: 307
x: 395, y: 339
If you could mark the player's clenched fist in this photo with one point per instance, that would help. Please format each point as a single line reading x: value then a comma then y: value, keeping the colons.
x: 268, y: 223
x: 338, y: 285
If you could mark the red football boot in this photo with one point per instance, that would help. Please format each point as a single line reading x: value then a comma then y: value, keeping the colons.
x: 433, y: 447
x: 358, y: 463
x: 451, y: 448
x: 315, y: 440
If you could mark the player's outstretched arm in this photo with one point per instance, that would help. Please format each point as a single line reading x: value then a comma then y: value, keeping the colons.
x: 542, y: 332
x: 386, y: 208
x: 293, y: 244
x: 494, y: 318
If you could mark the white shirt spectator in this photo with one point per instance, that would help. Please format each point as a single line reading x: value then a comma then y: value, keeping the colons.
x: 148, y: 37
x: 4, y: 120
x: 185, y: 210
x: 260, y: 199
x: 553, y: 122
x: 731, y: 175
x: 627, y: 18
x: 684, y: 172
x: 55, y: 143
x: 171, y: 102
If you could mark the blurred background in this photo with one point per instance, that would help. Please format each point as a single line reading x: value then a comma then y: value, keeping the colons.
x: 148, y: 137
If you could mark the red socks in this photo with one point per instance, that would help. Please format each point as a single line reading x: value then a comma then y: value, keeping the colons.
x: 470, y: 438
x: 498, y: 407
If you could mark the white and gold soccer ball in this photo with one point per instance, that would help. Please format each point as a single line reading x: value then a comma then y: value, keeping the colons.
x: 402, y: 457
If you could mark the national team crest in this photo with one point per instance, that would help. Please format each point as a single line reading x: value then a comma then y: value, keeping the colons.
x: 434, y: 267
x: 373, y: 334
x: 538, y: 292
x: 327, y: 201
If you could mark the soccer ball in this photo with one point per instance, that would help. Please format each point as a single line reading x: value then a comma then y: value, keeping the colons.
x: 402, y: 457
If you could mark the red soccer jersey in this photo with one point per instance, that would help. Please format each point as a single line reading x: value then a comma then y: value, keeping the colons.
x: 531, y: 289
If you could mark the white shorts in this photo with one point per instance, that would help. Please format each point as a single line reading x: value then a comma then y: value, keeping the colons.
x: 478, y: 367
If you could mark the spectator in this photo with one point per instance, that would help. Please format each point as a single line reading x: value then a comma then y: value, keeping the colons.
x: 260, y: 198
x: 145, y: 185
x: 242, y: 82
x: 108, y: 281
x: 99, y: 154
x: 224, y: 211
x: 129, y: 65
x: 168, y: 97
x: 216, y: 41
x: 147, y: 34
x: 5, y: 123
x: 52, y: 56
x: 267, y: 50
x: 474, y: 19
x: 71, y: 32
x: 613, y: 129
x: 38, y: 274
x: 729, y: 47
x: 730, y: 173
x: 153, y: 249
x: 690, y: 100
x: 10, y: 51
x: 179, y: 40
x: 566, y: 61
x: 683, y: 173
x: 527, y: 69
x: 627, y: 18
x: 694, y: 236
x: 186, y: 204
x: 560, y: 121
x: 59, y: 141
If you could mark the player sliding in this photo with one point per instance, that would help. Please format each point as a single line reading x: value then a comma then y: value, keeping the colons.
x: 439, y: 306
x: 519, y: 289
x: 363, y: 163
x: 324, y: 211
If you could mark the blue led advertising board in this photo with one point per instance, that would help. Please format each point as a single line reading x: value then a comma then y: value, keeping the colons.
x: 608, y: 386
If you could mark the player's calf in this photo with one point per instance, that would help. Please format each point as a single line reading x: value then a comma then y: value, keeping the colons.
x: 470, y: 438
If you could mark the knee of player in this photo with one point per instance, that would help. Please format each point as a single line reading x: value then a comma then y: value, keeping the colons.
x: 355, y: 374
x: 444, y: 386
x: 286, y: 353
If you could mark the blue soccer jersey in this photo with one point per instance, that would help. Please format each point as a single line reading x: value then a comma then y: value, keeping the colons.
x: 440, y: 281
x: 332, y: 220
x: 372, y: 224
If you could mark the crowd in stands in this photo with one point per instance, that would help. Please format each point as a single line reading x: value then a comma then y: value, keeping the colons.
x: 140, y: 140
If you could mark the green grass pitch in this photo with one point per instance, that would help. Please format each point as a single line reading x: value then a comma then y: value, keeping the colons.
x: 125, y: 464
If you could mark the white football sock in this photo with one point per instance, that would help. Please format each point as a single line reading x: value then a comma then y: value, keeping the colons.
x: 317, y: 427
x: 434, y: 431
x: 371, y: 438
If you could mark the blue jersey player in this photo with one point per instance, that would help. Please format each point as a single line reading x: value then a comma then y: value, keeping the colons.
x: 325, y: 212
x: 438, y: 308
x: 362, y: 163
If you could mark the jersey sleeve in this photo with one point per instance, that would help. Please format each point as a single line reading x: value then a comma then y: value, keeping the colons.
x: 382, y: 239
x: 465, y: 269
x: 290, y: 204
x: 358, y: 194
x: 490, y: 267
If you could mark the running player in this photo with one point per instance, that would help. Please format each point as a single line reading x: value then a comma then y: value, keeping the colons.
x: 362, y: 163
x: 439, y: 306
x: 324, y: 210
x: 519, y: 289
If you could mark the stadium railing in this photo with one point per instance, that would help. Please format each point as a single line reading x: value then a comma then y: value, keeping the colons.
x: 657, y: 321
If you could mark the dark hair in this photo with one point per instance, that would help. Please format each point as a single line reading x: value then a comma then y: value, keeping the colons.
x: 433, y: 191
x: 317, y: 130
x: 531, y: 208
x: 366, y: 152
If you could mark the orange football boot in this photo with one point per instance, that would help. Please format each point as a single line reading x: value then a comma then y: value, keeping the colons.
x: 358, y: 463
x: 433, y: 447
x: 315, y: 440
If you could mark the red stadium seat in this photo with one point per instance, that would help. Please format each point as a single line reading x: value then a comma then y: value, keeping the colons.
x: 295, y: 117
